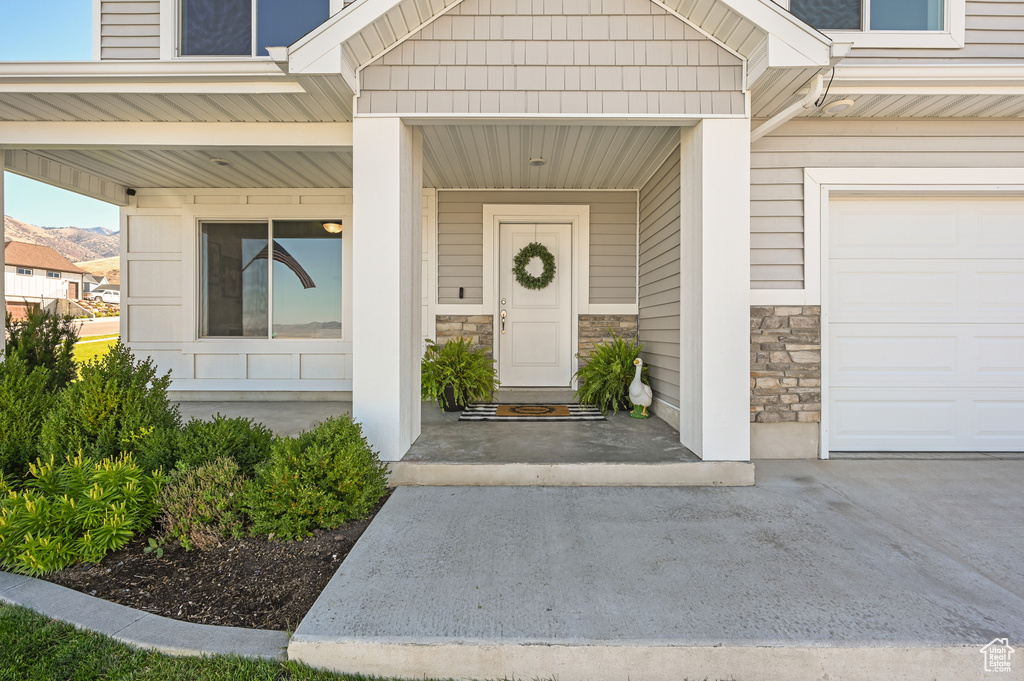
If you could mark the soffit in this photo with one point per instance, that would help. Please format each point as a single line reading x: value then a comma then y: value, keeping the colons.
x: 578, y: 157
x: 249, y: 168
x: 322, y: 99
x: 910, y: 105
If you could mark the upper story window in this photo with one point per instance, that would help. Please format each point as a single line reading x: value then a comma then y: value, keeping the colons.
x: 874, y: 15
x: 25, y: 271
x: 53, y: 275
x: 246, y: 28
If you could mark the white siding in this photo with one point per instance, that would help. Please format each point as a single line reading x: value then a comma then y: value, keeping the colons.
x: 659, y: 279
x: 778, y: 161
x: 612, y: 241
x: 489, y: 56
x: 129, y: 29
x: 995, y: 33
x: 37, y: 285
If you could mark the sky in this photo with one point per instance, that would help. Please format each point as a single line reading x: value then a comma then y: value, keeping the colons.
x: 63, y: 32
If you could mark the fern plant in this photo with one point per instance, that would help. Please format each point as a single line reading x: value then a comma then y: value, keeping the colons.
x: 604, y: 379
x: 454, y: 375
x: 79, y: 510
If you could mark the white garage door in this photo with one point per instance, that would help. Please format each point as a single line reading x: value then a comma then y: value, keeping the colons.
x: 926, y: 324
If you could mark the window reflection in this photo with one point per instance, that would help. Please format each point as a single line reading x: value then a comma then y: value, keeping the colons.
x: 234, y: 280
x: 307, y: 280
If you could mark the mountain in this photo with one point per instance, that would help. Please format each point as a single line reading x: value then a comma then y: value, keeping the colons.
x: 73, y: 243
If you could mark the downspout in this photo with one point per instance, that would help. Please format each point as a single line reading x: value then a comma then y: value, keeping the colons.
x: 790, y: 111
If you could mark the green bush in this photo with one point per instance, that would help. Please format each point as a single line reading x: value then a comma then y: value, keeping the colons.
x: 322, y: 478
x: 203, y: 504
x: 45, y: 339
x: 605, y: 378
x: 24, y: 401
x: 470, y: 373
x: 77, y: 511
x: 240, y: 439
x: 118, y: 405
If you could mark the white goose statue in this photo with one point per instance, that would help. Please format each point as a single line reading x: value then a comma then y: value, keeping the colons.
x: 640, y: 394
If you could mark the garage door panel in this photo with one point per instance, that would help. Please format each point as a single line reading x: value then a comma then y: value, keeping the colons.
x: 925, y: 312
x: 929, y: 355
x: 910, y: 420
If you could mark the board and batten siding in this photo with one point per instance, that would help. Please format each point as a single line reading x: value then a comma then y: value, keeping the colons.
x: 660, y: 279
x: 994, y: 33
x: 160, y: 292
x: 555, y: 57
x: 129, y: 29
x: 778, y: 161
x: 612, y: 241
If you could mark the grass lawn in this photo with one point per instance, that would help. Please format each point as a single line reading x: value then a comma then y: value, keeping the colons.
x: 87, y: 351
x: 36, y: 647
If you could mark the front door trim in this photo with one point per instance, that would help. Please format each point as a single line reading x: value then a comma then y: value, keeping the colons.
x: 576, y: 215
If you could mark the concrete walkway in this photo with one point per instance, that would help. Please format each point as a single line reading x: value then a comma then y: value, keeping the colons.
x: 874, y: 570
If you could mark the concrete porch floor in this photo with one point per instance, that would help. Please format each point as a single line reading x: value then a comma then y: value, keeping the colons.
x: 843, y: 570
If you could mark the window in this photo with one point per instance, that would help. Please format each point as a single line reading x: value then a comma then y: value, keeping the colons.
x: 246, y: 28
x: 53, y: 275
x: 242, y: 295
x: 25, y: 271
x: 876, y: 15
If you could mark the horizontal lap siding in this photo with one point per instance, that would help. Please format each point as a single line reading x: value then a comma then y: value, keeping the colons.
x: 778, y: 161
x: 129, y: 30
x: 659, y: 279
x: 995, y: 32
x: 460, y: 241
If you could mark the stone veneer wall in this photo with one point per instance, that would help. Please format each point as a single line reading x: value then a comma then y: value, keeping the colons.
x: 594, y: 329
x: 479, y: 329
x: 785, y: 364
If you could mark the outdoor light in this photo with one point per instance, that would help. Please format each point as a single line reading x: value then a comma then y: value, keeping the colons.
x: 220, y: 162
x: 333, y: 227
x: 537, y: 161
x: 839, y: 106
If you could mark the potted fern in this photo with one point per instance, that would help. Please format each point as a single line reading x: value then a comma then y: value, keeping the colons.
x: 454, y: 375
x: 604, y: 380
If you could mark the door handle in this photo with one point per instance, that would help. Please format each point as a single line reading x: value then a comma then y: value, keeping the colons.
x: 503, y: 315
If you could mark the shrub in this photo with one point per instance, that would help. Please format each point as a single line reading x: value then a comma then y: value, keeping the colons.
x: 45, y: 339
x: 79, y: 510
x: 605, y: 378
x: 203, y: 505
x: 118, y: 405
x: 322, y: 478
x: 240, y: 439
x: 24, y: 401
x: 469, y: 373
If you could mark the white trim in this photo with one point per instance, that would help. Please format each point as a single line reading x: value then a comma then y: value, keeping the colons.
x: 579, y: 217
x: 819, y: 186
x: 97, y: 30
x: 105, y: 134
x: 978, y: 77
x: 168, y: 29
x: 952, y: 37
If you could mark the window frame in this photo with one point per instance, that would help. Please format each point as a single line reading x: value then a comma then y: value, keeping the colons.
x: 951, y: 37
x: 172, y: 32
x: 24, y: 271
x: 270, y: 337
x: 50, y: 274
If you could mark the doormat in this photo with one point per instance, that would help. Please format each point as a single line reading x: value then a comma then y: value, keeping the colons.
x: 530, y: 412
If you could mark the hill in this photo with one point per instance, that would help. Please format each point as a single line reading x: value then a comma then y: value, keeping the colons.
x: 73, y: 243
x: 108, y: 267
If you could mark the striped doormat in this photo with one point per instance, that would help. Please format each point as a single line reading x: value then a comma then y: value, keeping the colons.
x: 530, y: 412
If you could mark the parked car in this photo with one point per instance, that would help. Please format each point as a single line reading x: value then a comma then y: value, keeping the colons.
x: 111, y: 297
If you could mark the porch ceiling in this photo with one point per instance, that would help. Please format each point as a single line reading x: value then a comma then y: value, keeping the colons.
x: 578, y: 157
x: 262, y: 168
x: 911, y: 105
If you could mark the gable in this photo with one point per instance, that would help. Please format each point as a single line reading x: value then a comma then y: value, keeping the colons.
x: 551, y: 57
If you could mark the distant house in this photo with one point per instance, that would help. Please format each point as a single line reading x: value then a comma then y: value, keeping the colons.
x: 91, y: 282
x: 34, y: 275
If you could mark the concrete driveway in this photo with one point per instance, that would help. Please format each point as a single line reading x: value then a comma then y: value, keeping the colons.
x: 883, y: 569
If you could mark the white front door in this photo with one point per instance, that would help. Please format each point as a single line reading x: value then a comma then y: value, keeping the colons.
x: 534, y: 327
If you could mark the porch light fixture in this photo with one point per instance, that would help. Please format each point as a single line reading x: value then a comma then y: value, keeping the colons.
x: 220, y: 162
x: 537, y: 162
x: 333, y: 227
x: 839, y: 106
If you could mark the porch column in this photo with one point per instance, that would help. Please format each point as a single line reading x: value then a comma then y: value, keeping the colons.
x: 387, y: 232
x: 715, y: 297
x: 3, y: 254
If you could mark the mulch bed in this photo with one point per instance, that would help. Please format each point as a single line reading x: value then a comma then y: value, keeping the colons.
x: 256, y: 583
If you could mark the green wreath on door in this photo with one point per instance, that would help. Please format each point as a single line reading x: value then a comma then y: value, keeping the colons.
x: 523, y: 258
